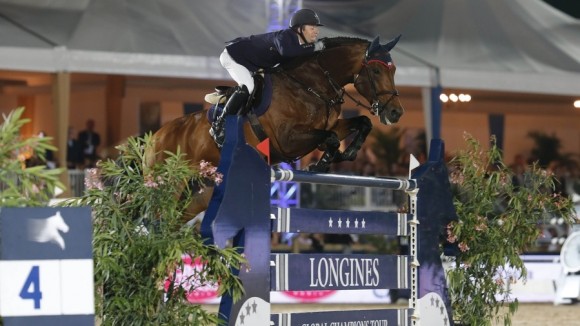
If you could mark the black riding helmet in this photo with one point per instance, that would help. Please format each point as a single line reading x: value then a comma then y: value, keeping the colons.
x: 304, y: 17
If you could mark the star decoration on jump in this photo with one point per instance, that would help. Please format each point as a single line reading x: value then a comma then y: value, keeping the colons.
x: 347, y: 222
x: 250, y: 309
x: 441, y: 307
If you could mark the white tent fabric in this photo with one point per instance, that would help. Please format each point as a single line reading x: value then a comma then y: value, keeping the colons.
x: 511, y: 45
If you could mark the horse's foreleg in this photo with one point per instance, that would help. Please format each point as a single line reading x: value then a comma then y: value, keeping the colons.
x: 330, y: 147
x: 361, y: 126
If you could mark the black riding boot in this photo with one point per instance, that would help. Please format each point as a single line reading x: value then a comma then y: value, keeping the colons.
x: 234, y: 105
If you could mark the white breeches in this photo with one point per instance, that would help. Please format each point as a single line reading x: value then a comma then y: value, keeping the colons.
x: 239, y: 73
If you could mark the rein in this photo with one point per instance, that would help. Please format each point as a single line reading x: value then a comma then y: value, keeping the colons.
x: 339, y: 99
x: 376, y: 106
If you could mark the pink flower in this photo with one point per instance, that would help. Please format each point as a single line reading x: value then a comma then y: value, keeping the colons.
x: 35, y: 189
x: 93, y: 179
x: 481, y: 227
x: 149, y: 182
x: 451, y: 238
x: 463, y: 247
x: 210, y: 172
x: 456, y: 177
x: 503, y: 179
x: 218, y: 178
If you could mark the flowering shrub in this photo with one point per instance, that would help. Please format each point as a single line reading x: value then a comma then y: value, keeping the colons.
x: 139, y: 240
x: 498, y: 221
x: 20, y: 185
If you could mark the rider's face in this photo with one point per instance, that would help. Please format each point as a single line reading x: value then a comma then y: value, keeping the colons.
x: 310, y: 33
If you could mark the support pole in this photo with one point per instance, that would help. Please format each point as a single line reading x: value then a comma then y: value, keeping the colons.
x: 61, y: 108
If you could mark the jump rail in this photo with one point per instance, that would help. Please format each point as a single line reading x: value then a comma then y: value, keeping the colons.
x: 343, y: 180
x: 240, y: 212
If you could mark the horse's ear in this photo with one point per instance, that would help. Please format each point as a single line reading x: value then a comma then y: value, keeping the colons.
x: 375, y: 44
x: 391, y: 44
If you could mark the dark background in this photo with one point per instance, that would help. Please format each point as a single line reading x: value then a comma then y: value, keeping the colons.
x: 571, y: 7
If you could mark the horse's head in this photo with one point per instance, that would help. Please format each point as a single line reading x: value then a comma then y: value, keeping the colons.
x: 376, y: 82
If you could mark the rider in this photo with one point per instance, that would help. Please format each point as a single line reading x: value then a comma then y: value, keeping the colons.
x: 244, y: 56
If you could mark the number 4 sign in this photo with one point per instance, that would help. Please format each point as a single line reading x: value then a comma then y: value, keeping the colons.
x: 33, y: 288
x: 46, y: 266
x: 32, y: 281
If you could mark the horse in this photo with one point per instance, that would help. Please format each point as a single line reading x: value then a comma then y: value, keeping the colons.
x: 304, y: 111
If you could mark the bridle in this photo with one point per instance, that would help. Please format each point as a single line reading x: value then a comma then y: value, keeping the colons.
x: 376, y: 107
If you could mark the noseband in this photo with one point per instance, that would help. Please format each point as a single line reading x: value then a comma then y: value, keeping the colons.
x: 376, y: 107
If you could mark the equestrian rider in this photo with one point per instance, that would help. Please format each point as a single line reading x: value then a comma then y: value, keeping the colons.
x: 243, y: 56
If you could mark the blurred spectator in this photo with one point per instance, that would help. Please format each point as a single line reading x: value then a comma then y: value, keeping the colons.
x: 74, y: 154
x: 518, y: 167
x: 49, y: 160
x: 89, y: 140
x: 556, y: 169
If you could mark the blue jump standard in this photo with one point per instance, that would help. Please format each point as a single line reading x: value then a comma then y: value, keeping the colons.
x: 240, y: 211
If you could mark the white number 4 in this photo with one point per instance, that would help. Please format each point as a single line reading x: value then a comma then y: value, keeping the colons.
x: 31, y: 288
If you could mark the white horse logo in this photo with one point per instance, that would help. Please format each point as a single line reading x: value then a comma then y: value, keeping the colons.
x: 48, y: 230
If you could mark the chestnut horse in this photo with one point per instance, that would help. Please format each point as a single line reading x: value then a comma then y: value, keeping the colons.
x: 304, y: 113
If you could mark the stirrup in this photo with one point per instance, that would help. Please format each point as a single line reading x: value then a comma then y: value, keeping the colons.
x: 215, y: 98
x: 218, y: 136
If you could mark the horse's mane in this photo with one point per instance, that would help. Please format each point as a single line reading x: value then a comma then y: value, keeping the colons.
x: 329, y: 43
x: 332, y: 42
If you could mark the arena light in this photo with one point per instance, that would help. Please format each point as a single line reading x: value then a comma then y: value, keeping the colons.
x: 455, y: 98
x: 577, y: 104
x: 464, y: 97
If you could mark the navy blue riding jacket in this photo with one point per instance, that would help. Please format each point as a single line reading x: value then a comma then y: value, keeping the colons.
x: 267, y: 50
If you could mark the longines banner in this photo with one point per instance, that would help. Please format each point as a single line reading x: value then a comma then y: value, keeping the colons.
x: 538, y: 288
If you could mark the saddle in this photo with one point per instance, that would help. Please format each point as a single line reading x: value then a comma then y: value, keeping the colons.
x: 223, y: 93
x: 258, y: 102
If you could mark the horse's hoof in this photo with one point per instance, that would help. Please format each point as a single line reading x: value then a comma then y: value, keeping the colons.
x: 318, y: 168
x: 349, y: 155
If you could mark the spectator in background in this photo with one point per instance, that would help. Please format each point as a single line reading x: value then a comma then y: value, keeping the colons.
x: 89, y: 140
x: 74, y: 154
x: 48, y: 161
x: 518, y: 167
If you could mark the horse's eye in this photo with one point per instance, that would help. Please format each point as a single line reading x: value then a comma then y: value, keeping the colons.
x: 376, y: 71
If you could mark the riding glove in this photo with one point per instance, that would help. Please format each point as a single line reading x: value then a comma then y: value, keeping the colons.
x: 318, y: 45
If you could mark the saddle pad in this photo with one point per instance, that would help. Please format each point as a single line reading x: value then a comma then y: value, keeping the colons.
x: 262, y: 105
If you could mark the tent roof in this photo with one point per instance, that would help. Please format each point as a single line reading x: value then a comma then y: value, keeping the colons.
x: 512, y: 45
